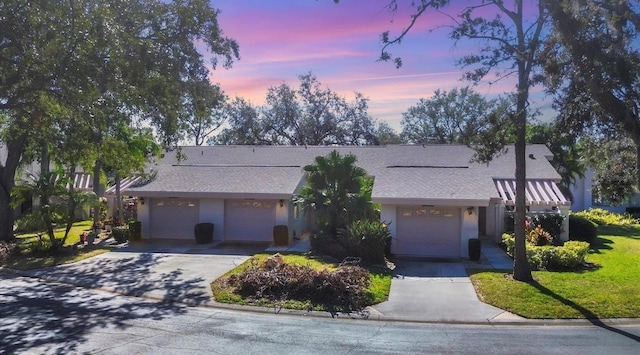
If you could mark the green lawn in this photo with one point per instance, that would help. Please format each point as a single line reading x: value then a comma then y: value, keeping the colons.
x: 70, y: 254
x: 378, y: 290
x: 610, y: 289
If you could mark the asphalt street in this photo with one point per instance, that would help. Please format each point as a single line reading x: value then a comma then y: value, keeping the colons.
x: 52, y: 318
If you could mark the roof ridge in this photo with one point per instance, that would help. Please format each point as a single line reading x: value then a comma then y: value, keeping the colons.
x: 238, y: 165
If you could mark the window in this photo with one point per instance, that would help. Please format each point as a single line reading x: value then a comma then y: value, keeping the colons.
x: 421, y: 212
x: 407, y: 213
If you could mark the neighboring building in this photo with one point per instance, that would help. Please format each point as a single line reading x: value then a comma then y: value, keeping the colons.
x: 433, y: 197
x: 584, y: 198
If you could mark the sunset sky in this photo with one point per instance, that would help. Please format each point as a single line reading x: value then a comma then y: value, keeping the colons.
x: 340, y: 43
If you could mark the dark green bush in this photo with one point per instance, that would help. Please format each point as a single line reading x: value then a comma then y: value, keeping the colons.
x: 120, y: 233
x: 582, y: 229
x: 509, y: 221
x: 550, y: 222
x: 366, y: 239
x: 634, y: 212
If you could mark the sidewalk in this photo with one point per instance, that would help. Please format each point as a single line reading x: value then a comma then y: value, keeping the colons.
x: 495, y: 256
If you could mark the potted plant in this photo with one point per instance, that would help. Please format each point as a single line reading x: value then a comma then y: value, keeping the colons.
x: 108, y: 224
x: 97, y: 227
x: 91, y: 237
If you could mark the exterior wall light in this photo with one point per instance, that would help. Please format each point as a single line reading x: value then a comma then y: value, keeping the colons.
x: 142, y: 200
x: 470, y: 210
x: 281, y: 203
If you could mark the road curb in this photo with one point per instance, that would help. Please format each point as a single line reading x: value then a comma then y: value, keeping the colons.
x: 373, y: 314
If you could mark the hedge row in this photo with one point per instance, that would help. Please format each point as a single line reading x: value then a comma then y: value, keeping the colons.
x: 570, y: 256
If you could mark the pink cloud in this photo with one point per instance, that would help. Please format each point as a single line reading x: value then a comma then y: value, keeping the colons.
x: 340, y: 44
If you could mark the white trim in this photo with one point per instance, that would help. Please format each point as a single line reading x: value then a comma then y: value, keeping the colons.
x: 537, y: 192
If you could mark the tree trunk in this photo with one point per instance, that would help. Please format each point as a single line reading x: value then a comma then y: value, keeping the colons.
x: 14, y: 147
x: 638, y: 165
x: 119, y: 200
x: 97, y: 189
x: 45, y: 197
x: 521, y: 268
x: 71, y: 208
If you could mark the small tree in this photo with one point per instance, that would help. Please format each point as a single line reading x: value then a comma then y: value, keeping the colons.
x: 51, y: 188
x: 338, y: 192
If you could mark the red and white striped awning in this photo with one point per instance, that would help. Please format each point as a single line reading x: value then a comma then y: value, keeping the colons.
x: 537, y: 192
x: 124, y: 183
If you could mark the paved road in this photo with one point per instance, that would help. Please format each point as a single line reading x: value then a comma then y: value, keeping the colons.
x: 41, y: 318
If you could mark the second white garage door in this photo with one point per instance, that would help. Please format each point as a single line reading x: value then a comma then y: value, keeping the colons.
x: 428, y: 231
x: 249, y: 220
x: 174, y: 218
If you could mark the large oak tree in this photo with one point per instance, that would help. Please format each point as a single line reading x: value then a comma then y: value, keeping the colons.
x: 593, y: 65
x: 108, y: 60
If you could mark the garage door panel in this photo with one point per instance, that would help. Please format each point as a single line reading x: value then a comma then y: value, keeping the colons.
x: 428, y: 231
x: 249, y: 220
x: 174, y: 218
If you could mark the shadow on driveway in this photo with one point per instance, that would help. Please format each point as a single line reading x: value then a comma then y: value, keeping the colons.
x: 52, y: 318
x: 163, y: 271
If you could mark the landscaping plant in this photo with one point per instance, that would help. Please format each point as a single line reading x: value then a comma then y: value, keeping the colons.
x: 367, y: 239
x: 120, y: 233
x: 602, y: 217
x: 302, y: 282
x: 570, y: 256
x: 582, y: 229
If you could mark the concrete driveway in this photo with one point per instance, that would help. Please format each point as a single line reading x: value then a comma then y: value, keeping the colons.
x: 167, y: 271
x: 435, y: 292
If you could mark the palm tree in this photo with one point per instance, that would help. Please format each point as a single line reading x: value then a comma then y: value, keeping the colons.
x: 45, y: 186
x: 338, y: 192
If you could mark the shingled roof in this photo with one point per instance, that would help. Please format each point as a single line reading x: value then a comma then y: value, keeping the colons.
x: 436, y: 174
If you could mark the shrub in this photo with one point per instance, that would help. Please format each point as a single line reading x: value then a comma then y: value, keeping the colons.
x: 550, y: 222
x: 324, y: 243
x: 538, y: 236
x: 634, y: 212
x: 366, y: 239
x: 41, y: 246
x: 120, y: 233
x: 603, y: 217
x: 570, y: 256
x: 509, y: 242
x: 582, y: 229
x: 6, y: 251
x: 509, y: 221
x: 345, y: 287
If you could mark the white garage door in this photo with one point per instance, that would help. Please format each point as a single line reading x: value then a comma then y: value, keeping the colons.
x: 174, y: 218
x: 249, y: 220
x: 428, y: 231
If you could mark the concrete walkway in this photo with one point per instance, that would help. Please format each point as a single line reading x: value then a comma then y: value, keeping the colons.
x: 495, y: 256
x: 435, y: 292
